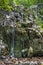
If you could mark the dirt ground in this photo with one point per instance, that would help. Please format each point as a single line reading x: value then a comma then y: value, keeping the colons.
x: 22, y: 61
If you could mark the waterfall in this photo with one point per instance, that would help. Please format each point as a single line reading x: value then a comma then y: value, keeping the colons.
x: 11, y: 23
x: 12, y: 40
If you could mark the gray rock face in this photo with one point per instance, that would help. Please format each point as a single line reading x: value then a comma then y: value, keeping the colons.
x: 2, y: 49
x: 27, y: 32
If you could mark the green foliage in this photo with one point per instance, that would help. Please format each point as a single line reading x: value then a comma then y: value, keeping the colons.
x: 21, y: 2
x: 27, y: 2
x: 39, y: 1
x: 40, y: 23
x: 5, y: 4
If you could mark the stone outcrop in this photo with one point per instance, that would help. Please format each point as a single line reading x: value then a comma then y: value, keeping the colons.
x: 27, y: 33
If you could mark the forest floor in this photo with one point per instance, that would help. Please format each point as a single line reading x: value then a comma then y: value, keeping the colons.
x: 22, y: 61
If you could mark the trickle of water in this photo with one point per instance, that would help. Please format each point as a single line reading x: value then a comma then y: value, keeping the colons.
x: 12, y: 41
x: 12, y: 52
